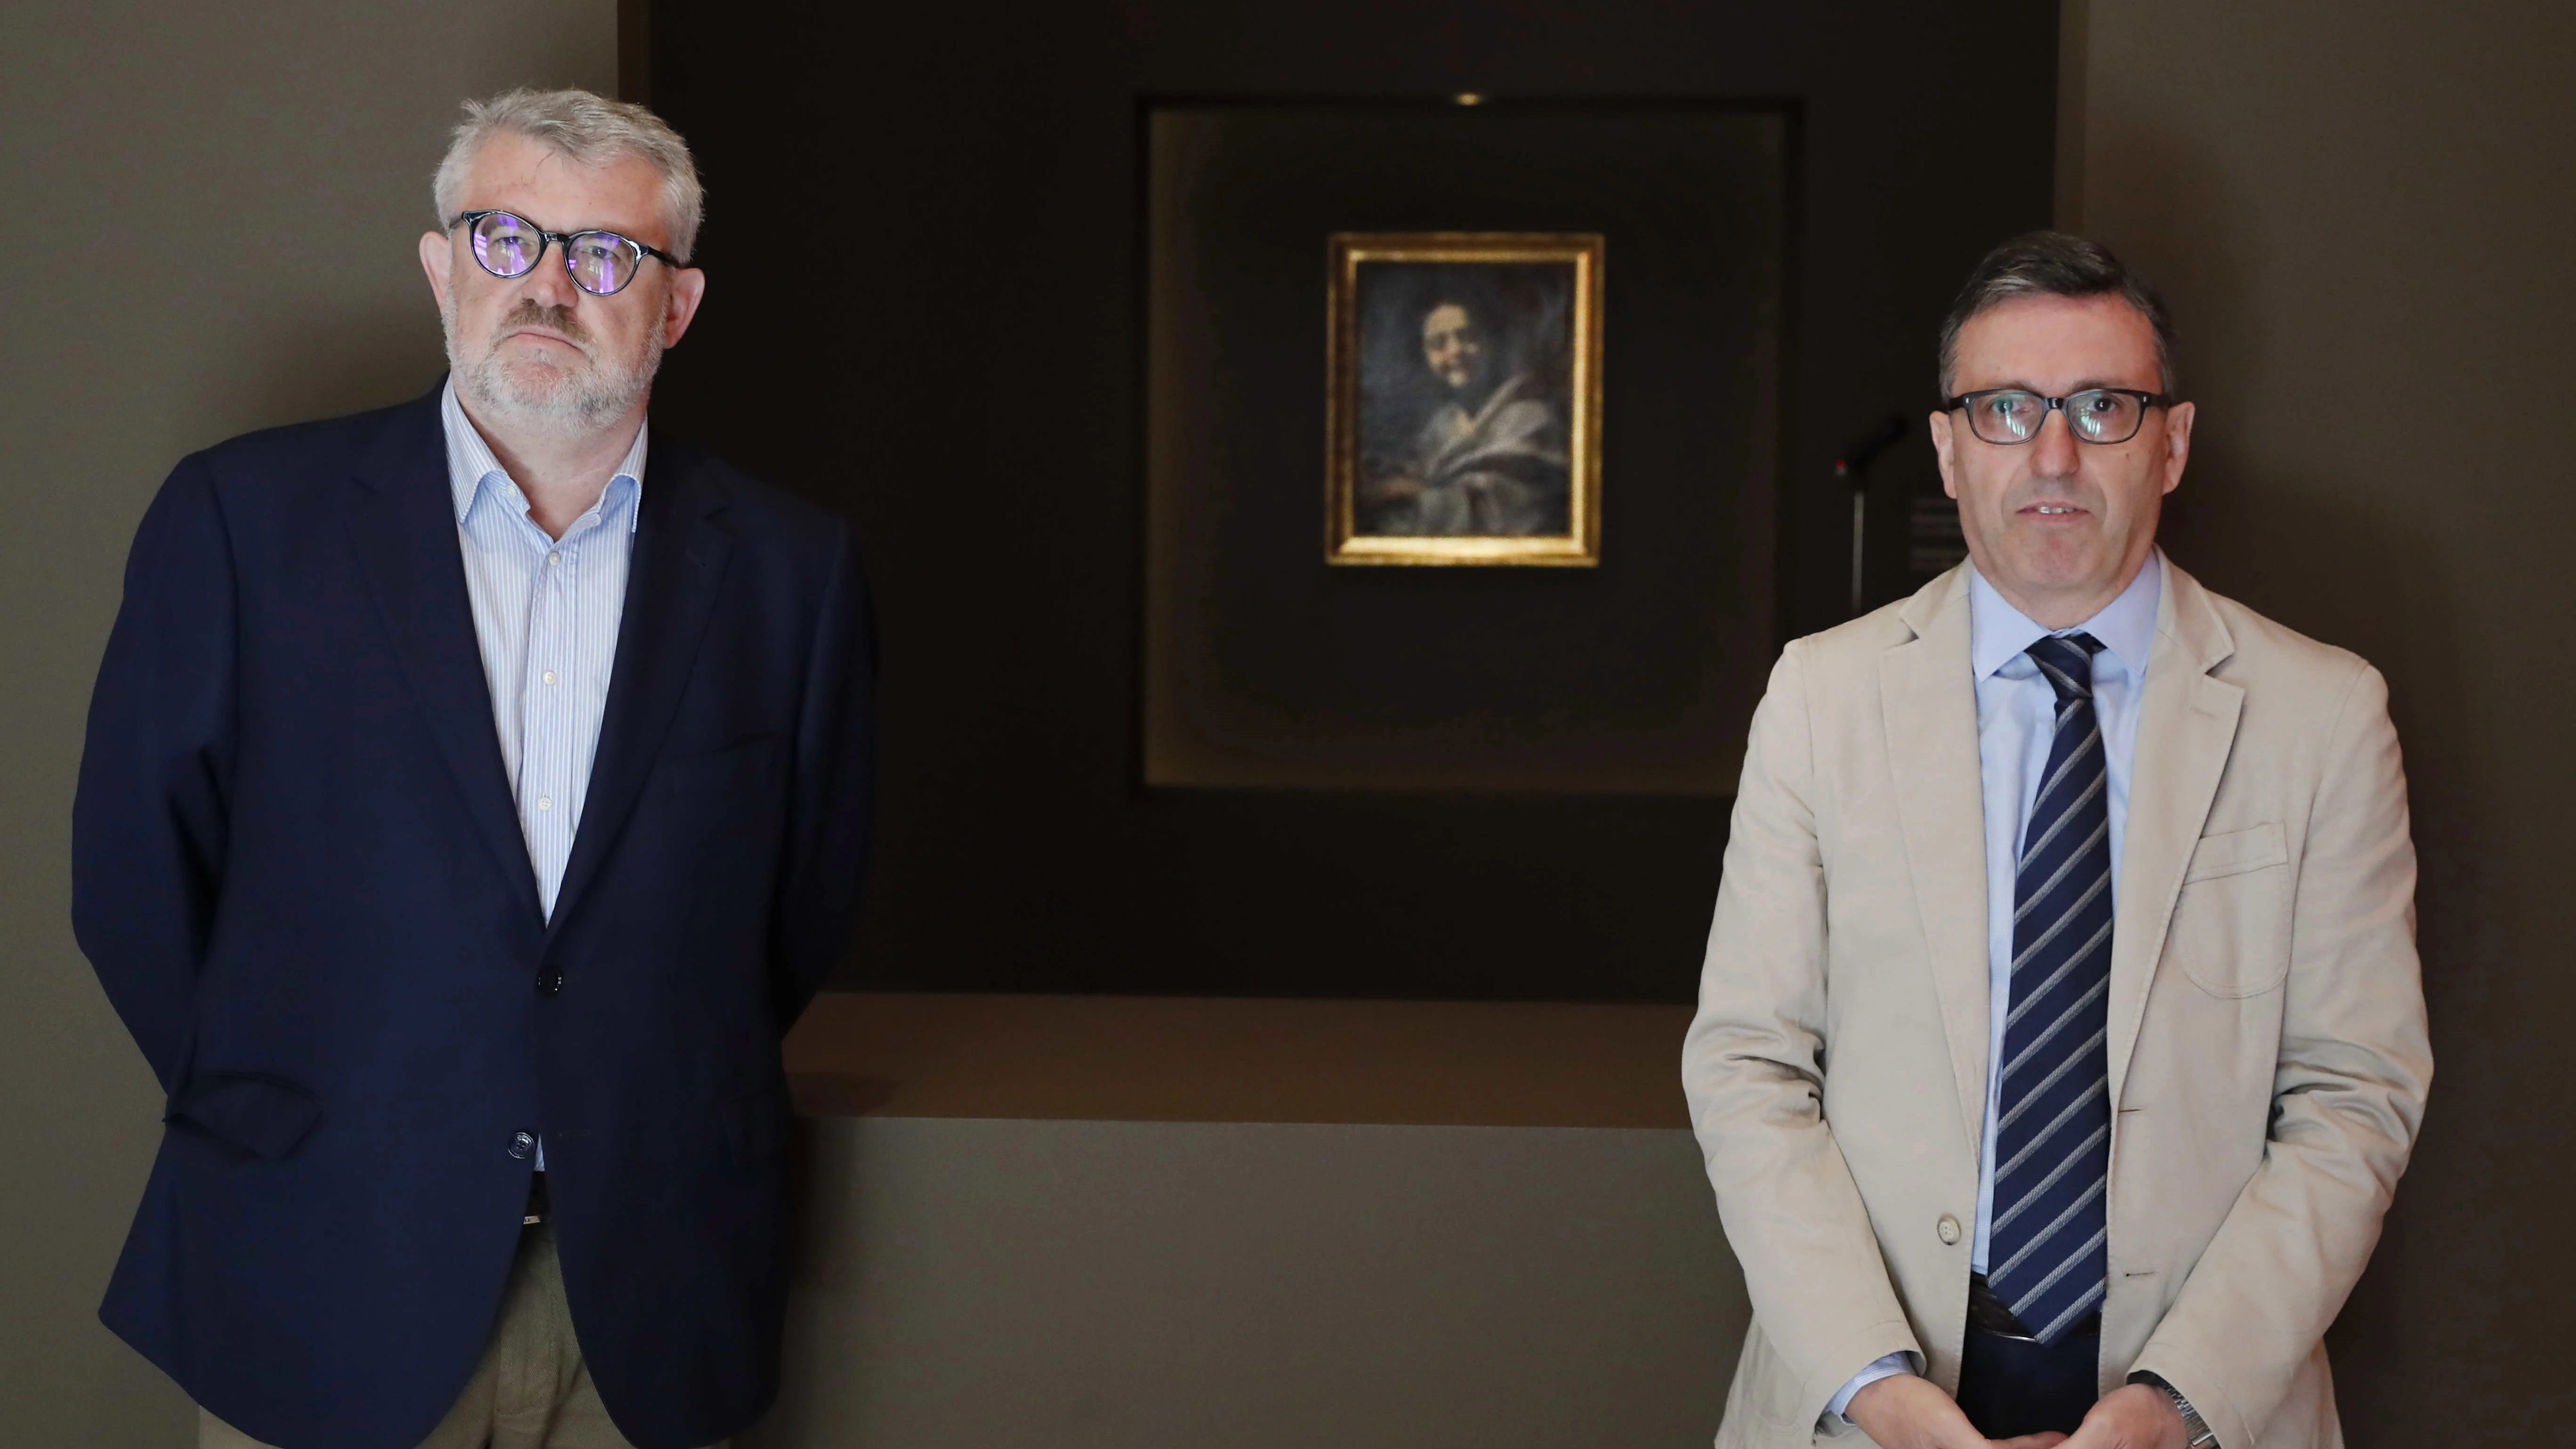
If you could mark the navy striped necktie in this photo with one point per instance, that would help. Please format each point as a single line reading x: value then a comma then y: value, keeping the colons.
x: 2046, y: 1250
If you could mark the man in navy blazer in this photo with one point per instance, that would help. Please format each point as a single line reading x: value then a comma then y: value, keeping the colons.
x: 475, y: 792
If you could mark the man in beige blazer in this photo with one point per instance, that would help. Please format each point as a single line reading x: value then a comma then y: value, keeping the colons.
x: 2060, y: 1040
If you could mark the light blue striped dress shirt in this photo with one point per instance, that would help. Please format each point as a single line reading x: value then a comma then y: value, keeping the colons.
x: 546, y: 613
x: 2016, y: 721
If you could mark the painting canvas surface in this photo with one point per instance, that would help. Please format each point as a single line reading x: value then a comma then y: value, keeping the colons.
x: 1465, y: 398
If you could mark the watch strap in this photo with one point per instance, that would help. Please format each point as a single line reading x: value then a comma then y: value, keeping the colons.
x: 2195, y: 1429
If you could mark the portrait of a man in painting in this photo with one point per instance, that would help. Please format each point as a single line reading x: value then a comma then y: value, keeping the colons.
x: 1465, y: 399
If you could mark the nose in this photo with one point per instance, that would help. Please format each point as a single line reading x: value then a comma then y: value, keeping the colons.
x: 549, y: 284
x: 2054, y: 450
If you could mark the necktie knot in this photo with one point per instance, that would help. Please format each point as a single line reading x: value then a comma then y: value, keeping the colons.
x: 2067, y: 664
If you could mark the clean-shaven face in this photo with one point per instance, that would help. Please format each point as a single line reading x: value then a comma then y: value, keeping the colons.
x: 1453, y: 345
x: 2058, y: 526
x: 537, y: 349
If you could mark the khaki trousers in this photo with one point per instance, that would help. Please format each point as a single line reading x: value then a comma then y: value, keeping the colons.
x: 530, y: 1390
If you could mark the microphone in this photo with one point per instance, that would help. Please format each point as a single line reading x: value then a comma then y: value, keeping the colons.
x: 1857, y: 458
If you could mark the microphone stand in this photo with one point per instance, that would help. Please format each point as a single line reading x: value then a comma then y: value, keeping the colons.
x: 1853, y: 469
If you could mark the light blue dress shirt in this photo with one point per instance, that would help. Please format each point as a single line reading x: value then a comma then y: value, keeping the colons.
x: 2016, y: 721
x: 546, y: 612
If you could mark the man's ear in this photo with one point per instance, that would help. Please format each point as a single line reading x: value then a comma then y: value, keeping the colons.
x: 1944, y: 448
x: 436, y: 258
x: 2177, y: 442
x: 680, y: 303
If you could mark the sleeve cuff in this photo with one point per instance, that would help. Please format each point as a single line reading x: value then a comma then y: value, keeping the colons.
x: 1884, y: 1368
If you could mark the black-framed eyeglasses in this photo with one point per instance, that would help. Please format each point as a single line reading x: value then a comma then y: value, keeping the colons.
x: 2009, y: 415
x: 601, y: 262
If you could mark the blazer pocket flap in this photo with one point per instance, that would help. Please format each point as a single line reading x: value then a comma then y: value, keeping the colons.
x: 256, y: 1112
x: 2237, y: 852
x: 740, y: 762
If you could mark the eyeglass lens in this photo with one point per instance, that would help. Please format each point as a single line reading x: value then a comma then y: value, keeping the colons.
x: 2096, y: 416
x: 505, y: 245
x: 601, y: 262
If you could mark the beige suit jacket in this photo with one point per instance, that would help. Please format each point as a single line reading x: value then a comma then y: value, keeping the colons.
x: 2267, y: 1041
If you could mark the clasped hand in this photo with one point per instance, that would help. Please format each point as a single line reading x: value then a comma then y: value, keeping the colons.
x: 1908, y: 1412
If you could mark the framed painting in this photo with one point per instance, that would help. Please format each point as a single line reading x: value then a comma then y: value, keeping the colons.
x: 1463, y: 398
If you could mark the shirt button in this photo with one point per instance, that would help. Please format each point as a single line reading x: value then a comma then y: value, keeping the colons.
x: 1948, y: 1228
x: 549, y: 982
x: 545, y: 802
x: 550, y: 676
x: 555, y: 557
x: 523, y: 1145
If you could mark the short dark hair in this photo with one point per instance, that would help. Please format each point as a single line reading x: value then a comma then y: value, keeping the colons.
x: 2054, y: 264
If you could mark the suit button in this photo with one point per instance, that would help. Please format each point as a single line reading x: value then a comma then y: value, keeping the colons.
x: 1948, y: 1228
x: 523, y: 1145
x: 549, y: 982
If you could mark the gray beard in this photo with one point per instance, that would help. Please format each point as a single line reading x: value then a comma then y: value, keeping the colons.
x: 563, y: 401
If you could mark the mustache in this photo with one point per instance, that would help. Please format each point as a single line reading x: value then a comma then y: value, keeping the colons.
x: 2072, y: 489
x: 531, y: 313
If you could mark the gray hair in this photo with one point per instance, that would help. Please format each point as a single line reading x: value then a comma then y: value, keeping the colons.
x: 590, y: 130
x: 2053, y: 264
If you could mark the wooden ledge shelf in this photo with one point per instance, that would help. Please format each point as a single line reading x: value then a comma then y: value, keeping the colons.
x: 1191, y: 1059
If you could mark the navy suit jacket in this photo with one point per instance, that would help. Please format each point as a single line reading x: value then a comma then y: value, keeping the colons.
x: 299, y: 874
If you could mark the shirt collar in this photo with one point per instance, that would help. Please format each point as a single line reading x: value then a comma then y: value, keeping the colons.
x: 1998, y: 633
x: 470, y: 461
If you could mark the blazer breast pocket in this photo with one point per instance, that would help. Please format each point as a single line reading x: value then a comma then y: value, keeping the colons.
x: 744, y: 764
x: 2231, y: 926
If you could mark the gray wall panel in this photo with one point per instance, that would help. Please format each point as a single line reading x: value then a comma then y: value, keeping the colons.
x: 2363, y: 229
x: 996, y: 1284
x: 208, y: 229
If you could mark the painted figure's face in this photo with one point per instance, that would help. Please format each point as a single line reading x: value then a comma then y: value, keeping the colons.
x: 1453, y: 345
x: 2058, y: 525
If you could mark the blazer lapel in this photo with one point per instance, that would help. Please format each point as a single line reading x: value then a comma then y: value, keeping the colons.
x: 1930, y: 704
x: 2186, y: 728
x: 671, y: 591
x: 402, y: 524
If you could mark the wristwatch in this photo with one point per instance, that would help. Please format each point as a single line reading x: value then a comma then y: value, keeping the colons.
x: 2195, y: 1429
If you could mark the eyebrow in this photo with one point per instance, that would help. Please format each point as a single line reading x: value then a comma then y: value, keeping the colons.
x: 2082, y: 385
x: 611, y: 228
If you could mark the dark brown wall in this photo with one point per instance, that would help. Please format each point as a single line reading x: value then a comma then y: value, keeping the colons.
x: 925, y: 243
x: 2364, y: 230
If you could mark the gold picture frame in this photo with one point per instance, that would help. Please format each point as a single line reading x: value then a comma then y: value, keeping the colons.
x: 1463, y: 399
